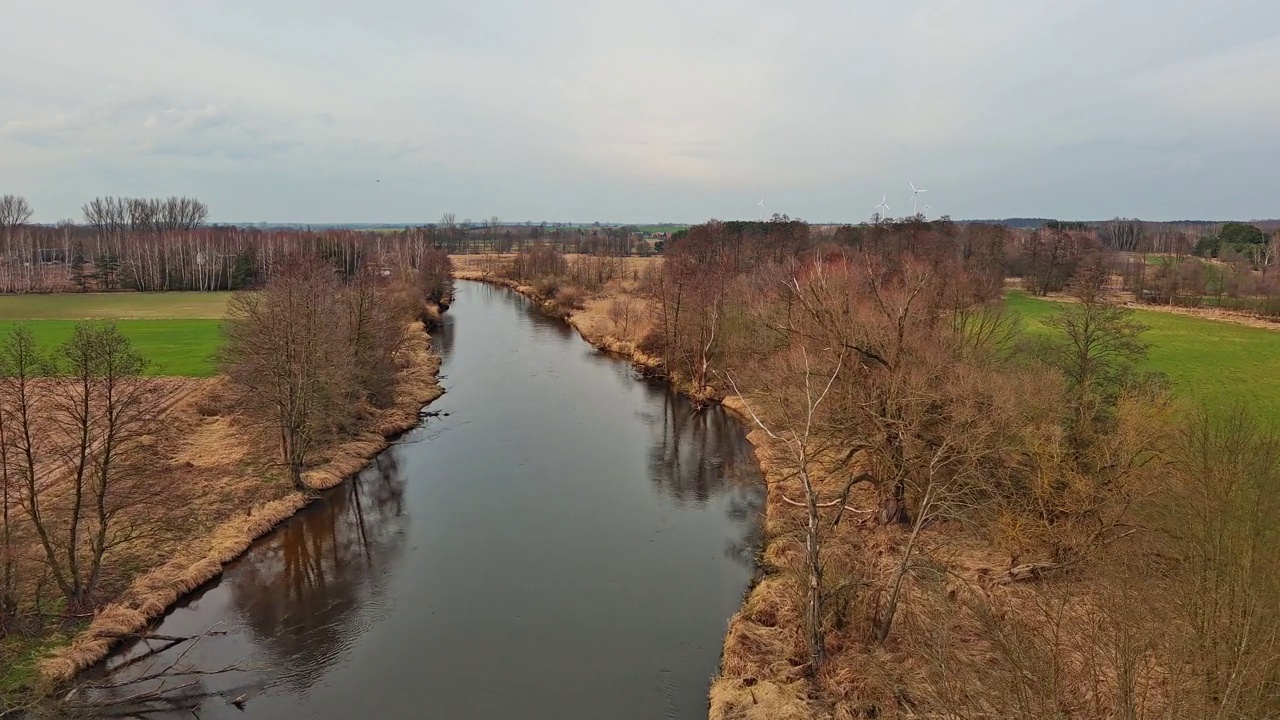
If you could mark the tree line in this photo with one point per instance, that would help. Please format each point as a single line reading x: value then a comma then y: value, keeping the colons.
x: 158, y: 244
x: 307, y: 378
x: 1232, y: 268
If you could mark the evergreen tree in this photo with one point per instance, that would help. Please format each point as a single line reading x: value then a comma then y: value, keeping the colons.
x: 105, y: 268
x: 78, y: 275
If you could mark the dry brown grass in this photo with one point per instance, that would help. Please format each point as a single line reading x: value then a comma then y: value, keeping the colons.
x: 960, y: 638
x: 235, y: 498
x: 592, y: 320
x: 1223, y: 315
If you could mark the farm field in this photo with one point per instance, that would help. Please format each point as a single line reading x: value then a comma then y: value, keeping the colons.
x: 114, y: 306
x: 1217, y: 363
x: 178, y: 333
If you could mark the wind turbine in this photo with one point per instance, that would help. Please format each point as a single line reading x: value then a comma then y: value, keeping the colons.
x: 914, y: 192
x: 883, y: 208
x: 761, y: 206
x: 926, y: 210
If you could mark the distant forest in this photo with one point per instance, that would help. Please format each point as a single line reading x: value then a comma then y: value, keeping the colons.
x: 161, y: 244
x: 1034, y: 223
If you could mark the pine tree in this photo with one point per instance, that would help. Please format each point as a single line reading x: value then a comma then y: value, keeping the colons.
x: 78, y: 275
x: 105, y: 267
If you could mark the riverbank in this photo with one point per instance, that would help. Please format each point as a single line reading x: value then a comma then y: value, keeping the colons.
x: 230, y: 496
x: 592, y: 319
x: 755, y: 682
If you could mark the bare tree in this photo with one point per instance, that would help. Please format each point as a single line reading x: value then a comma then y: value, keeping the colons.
x: 435, y: 278
x: 86, y: 429
x: 15, y: 211
x: 289, y: 357
x: 1220, y: 518
x: 1098, y: 346
x: 21, y: 363
x: 796, y: 426
x: 622, y: 312
x: 376, y: 325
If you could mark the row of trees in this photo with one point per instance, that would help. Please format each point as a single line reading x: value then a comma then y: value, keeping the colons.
x: 64, y: 260
x: 1241, y: 274
x: 163, y: 244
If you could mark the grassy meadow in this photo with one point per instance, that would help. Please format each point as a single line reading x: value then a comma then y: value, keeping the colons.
x: 178, y: 333
x: 1217, y: 363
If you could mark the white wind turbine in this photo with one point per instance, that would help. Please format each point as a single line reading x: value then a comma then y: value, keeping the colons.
x: 914, y: 192
x: 883, y: 208
x: 761, y: 206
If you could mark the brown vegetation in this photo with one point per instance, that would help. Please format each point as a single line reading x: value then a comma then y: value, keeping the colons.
x: 604, y: 298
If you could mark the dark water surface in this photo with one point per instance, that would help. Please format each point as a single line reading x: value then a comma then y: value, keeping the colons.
x: 568, y: 542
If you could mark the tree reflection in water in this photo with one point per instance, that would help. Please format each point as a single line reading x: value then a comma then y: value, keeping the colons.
x: 318, y: 583
x: 697, y: 453
x: 304, y: 593
x: 442, y: 337
x: 700, y: 453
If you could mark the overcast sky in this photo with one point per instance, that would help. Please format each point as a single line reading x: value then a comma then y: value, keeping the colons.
x: 398, y: 110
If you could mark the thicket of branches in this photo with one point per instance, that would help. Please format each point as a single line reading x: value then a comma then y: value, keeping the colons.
x: 954, y: 498
x: 311, y: 353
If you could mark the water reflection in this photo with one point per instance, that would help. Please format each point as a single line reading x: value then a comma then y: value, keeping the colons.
x: 443, y: 337
x: 696, y: 451
x: 303, y: 595
x: 317, y: 585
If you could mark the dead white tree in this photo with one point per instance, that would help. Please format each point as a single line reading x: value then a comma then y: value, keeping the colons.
x: 795, y: 430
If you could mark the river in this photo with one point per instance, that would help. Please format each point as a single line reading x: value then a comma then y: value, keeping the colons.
x: 566, y: 540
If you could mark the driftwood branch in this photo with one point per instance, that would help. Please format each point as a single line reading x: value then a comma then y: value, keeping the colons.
x: 1037, y: 570
x: 186, y: 694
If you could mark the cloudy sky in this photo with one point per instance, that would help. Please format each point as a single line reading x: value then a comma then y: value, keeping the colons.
x: 639, y: 111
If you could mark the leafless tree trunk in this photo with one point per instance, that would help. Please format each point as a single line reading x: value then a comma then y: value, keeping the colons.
x: 798, y: 434
x: 290, y: 357
x: 376, y: 326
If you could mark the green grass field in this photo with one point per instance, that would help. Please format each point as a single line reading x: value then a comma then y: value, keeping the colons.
x: 178, y: 333
x: 660, y: 228
x: 1216, y: 363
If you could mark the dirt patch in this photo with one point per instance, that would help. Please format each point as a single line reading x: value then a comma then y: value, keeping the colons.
x: 1215, y: 314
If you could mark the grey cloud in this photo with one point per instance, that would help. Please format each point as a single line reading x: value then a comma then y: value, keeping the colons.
x: 646, y: 110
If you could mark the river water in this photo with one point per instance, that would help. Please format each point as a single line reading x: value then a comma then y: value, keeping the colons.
x: 565, y: 541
